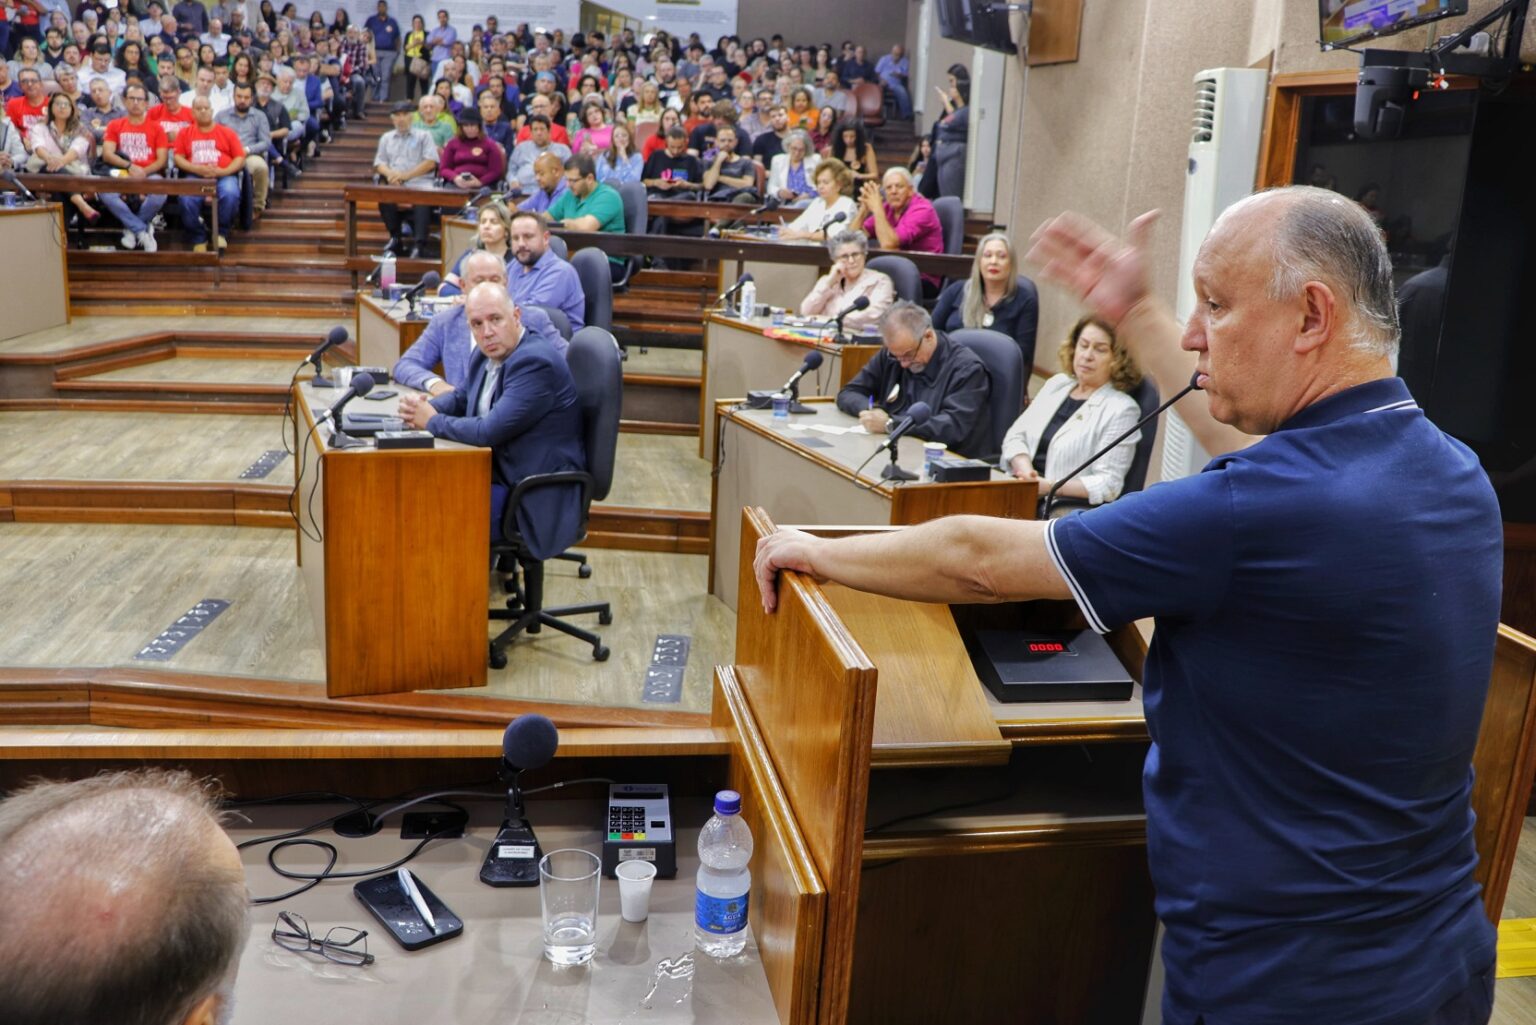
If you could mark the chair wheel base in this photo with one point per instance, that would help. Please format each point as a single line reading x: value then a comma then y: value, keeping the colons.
x: 600, y: 654
x: 498, y: 659
x: 584, y: 571
x: 604, y: 618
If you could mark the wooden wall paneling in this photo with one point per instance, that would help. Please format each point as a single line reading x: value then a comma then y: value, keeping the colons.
x: 812, y: 692
x: 1054, y: 30
x: 1519, y: 606
x: 788, y: 912
x: 1503, y: 763
x: 1010, y: 499
x: 1057, y: 932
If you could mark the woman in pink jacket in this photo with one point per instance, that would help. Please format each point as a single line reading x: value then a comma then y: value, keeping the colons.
x: 848, y: 279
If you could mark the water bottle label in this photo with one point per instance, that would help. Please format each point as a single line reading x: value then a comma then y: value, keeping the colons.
x: 720, y: 915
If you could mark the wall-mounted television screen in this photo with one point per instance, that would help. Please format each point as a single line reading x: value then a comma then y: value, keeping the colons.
x: 1345, y: 22
x: 982, y: 23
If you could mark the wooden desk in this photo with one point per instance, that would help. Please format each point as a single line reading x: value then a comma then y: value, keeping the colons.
x: 37, y: 270
x: 740, y: 357
x: 806, y: 477
x: 393, y: 548
x: 354, y: 195
x: 383, y: 333
x: 495, y: 970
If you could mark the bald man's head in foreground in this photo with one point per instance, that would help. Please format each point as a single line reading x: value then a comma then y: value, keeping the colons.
x: 124, y: 903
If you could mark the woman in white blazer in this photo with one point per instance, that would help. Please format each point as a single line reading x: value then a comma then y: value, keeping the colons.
x: 1075, y: 414
x: 792, y: 174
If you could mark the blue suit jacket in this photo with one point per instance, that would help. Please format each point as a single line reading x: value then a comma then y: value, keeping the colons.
x: 533, y: 426
x: 447, y: 341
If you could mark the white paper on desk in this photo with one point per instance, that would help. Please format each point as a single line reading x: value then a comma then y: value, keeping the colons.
x: 829, y: 428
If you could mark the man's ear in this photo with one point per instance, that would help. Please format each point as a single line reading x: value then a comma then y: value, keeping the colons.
x: 204, y: 1012
x: 1319, y: 316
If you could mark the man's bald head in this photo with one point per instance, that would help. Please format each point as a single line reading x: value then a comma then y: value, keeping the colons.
x: 493, y: 320
x: 124, y: 902
x: 484, y: 268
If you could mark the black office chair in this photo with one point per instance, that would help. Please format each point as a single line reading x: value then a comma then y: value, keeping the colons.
x: 903, y: 274
x: 636, y: 219
x: 558, y: 318
x: 1000, y: 355
x: 592, y: 266
x: 1147, y: 397
x: 952, y: 220
x: 595, y: 366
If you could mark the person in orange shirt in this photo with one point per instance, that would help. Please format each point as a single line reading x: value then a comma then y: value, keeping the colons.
x: 802, y: 112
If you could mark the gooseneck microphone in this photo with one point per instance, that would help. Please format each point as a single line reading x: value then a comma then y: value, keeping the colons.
x: 469, y: 205
x: 861, y: 303
x: 529, y: 742
x: 1050, y: 496
x: 9, y: 177
x: 431, y: 279
x: 837, y: 218
x: 725, y: 297
x: 811, y: 362
x: 771, y: 204
x: 917, y: 415
x: 361, y: 385
x: 337, y: 336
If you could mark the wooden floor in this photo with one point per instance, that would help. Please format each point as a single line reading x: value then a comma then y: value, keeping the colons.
x: 185, y: 369
x: 1515, y: 999
x: 76, y: 595
x: 87, y: 330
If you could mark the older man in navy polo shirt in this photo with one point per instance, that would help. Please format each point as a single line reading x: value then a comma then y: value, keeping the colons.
x: 1326, y: 599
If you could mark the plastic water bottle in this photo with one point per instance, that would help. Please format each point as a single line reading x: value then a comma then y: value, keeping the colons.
x: 724, y: 883
x: 748, y: 305
x: 387, y: 274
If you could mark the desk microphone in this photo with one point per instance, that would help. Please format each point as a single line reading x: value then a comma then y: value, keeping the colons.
x: 917, y: 415
x: 861, y: 303
x: 338, y: 334
x: 771, y: 204
x: 9, y: 177
x: 836, y: 218
x: 529, y: 742
x: 1050, y: 496
x: 730, y: 292
x: 431, y: 279
x: 362, y: 384
x: 469, y: 207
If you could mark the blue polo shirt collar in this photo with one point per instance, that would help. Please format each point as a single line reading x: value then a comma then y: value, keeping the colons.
x: 1370, y: 397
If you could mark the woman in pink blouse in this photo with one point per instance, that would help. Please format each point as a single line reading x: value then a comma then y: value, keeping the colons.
x: 595, y: 134
x: 62, y: 145
x: 470, y: 160
x: 848, y: 279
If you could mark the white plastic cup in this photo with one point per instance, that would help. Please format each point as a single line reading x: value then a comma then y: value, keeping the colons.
x: 932, y: 450
x: 343, y: 377
x: 635, y: 878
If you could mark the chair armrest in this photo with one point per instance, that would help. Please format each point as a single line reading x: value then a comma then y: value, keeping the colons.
x: 545, y: 480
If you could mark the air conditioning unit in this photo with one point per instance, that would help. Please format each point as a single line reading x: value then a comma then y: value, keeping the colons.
x: 1223, y: 163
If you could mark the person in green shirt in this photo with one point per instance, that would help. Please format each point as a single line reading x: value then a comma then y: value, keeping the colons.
x: 588, y: 205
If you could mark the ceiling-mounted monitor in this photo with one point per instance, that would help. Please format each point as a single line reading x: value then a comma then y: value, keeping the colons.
x: 982, y: 23
x: 1346, y: 22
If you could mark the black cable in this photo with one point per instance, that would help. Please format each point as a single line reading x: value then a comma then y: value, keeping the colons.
x: 941, y: 809
x: 860, y: 484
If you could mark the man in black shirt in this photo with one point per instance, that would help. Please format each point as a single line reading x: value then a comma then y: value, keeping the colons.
x: 771, y: 143
x: 918, y: 364
x: 730, y: 177
x: 673, y: 172
x: 856, y: 69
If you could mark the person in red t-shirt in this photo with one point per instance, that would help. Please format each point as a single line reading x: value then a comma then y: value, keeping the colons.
x: 172, y: 114
x: 31, y: 107
x: 208, y: 150
x: 137, y: 145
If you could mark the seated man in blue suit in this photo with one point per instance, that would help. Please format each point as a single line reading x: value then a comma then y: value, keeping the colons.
x: 519, y: 400
x: 447, y: 341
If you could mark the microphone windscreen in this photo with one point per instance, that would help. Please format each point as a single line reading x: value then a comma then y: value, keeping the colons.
x: 1194, y: 381
x: 812, y: 360
x: 861, y: 303
x: 840, y: 217
x: 338, y: 334
x: 431, y: 279
x: 362, y: 383
x: 529, y: 742
x: 919, y: 413
x: 744, y: 278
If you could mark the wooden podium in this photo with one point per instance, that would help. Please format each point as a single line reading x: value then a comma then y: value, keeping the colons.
x: 394, y: 552
x: 37, y: 271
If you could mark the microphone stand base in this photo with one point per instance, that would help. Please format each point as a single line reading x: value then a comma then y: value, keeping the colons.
x: 800, y: 407
x: 321, y: 381
x: 513, y: 859
x: 893, y: 472
x: 340, y: 440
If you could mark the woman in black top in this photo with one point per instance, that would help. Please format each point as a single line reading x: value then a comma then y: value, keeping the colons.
x: 993, y: 297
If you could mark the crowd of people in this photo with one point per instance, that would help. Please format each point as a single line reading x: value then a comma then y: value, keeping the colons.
x: 141, y: 91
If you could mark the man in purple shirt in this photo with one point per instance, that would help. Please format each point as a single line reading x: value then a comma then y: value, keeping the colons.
x: 549, y: 174
x: 540, y: 277
x: 902, y: 219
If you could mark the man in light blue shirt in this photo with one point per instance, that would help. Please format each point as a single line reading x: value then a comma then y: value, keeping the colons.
x: 892, y: 71
x: 540, y: 277
x: 442, y: 38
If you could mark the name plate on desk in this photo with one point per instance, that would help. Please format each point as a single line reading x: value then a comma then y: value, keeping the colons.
x: 1049, y: 665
